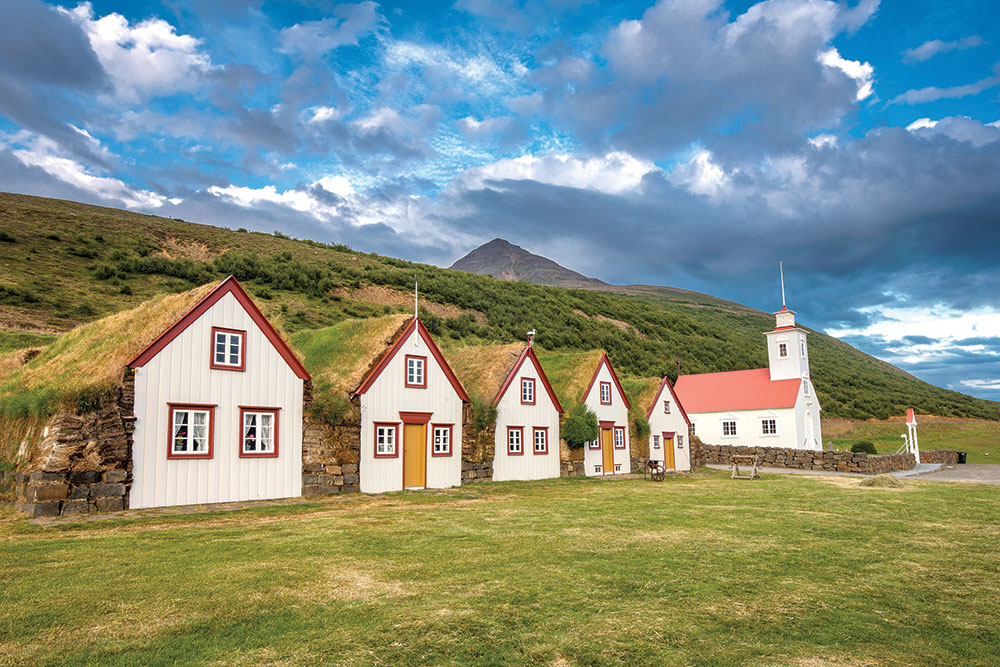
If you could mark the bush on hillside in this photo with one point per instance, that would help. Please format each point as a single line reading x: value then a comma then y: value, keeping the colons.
x: 863, y: 446
x: 7, y: 238
x: 580, y: 426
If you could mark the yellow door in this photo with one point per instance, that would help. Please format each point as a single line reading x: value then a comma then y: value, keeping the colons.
x: 414, y: 455
x: 668, y: 452
x: 608, y: 447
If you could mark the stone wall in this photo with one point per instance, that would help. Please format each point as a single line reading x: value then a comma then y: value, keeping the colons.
x: 477, y: 471
x: 84, y: 461
x: 947, y: 456
x: 804, y: 459
x: 696, y: 450
x: 571, y: 469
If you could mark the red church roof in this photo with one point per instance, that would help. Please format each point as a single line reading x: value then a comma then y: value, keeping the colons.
x: 736, y: 390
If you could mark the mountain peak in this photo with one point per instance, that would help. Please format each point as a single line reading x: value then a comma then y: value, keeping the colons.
x: 502, y: 259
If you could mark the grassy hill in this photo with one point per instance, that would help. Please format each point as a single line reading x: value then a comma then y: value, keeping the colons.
x: 67, y: 263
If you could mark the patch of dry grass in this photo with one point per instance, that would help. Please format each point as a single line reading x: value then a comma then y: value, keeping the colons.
x: 482, y: 369
x: 570, y: 373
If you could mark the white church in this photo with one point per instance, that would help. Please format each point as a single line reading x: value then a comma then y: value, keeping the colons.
x: 764, y: 407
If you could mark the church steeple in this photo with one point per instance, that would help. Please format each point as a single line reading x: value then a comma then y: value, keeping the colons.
x: 787, y: 352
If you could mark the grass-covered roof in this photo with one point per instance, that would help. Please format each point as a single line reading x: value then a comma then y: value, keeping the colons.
x: 482, y: 369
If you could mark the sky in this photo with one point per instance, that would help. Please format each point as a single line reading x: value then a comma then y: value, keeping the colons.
x: 692, y: 143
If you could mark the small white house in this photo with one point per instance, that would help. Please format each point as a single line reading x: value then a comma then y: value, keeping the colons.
x: 527, y: 428
x: 764, y: 407
x: 411, y: 417
x: 668, y: 430
x: 609, y: 454
x: 218, y: 408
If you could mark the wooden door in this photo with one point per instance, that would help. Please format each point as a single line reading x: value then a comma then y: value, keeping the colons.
x: 668, y: 452
x: 608, y: 449
x: 414, y: 455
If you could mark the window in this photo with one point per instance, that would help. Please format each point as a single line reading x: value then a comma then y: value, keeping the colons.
x: 680, y: 441
x: 541, y: 437
x: 228, y: 349
x: 729, y: 428
x: 802, y: 347
x: 769, y: 426
x: 782, y: 349
x: 260, y: 432
x: 442, y: 440
x: 805, y: 387
x: 619, y: 437
x: 527, y: 391
x: 656, y: 442
x: 605, y: 393
x: 693, y: 430
x: 595, y: 444
x: 416, y: 375
x: 515, y: 446
x: 386, y: 436
x: 191, y: 431
x: 666, y: 407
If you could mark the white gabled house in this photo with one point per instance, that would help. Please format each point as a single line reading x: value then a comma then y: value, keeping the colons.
x: 218, y: 408
x: 609, y: 454
x: 411, y: 417
x: 668, y: 430
x: 527, y: 427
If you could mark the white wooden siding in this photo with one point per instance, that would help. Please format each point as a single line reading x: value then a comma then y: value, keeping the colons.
x: 383, y: 402
x: 617, y: 413
x: 708, y: 427
x: 510, y: 412
x: 660, y: 423
x: 180, y: 373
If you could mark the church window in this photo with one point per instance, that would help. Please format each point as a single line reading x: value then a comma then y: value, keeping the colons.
x: 729, y: 429
x: 782, y: 350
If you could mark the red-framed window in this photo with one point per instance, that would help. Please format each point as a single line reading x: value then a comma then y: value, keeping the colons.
x: 191, y: 433
x: 416, y: 371
x: 386, y: 445
x: 656, y: 442
x: 605, y: 393
x: 540, y: 439
x: 441, y: 444
x: 619, y: 437
x: 229, y: 349
x: 527, y: 391
x: 666, y: 407
x: 515, y: 440
x: 259, y: 432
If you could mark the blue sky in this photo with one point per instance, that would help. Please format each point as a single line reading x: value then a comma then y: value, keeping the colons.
x: 691, y: 143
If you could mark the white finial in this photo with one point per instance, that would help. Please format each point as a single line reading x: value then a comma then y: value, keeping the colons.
x: 415, y: 295
x: 531, y: 338
x: 781, y: 270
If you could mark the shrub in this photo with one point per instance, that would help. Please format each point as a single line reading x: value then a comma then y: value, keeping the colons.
x: 864, y: 446
x: 580, y: 426
x: 105, y: 272
x: 328, y: 407
x: 126, y: 290
x: 7, y: 238
x: 484, y: 413
x: 53, y: 237
x: 640, y: 426
x: 242, y: 229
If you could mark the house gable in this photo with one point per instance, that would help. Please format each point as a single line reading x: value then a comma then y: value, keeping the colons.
x: 228, y: 286
x: 666, y: 386
x: 614, y: 377
x: 526, y: 354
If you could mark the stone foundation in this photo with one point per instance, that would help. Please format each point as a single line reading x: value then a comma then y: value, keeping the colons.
x: 330, y: 459
x: 473, y: 471
x: 571, y: 469
x: 946, y: 456
x: 804, y: 459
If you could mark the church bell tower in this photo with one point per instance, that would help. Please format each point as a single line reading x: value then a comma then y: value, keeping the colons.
x: 787, y: 349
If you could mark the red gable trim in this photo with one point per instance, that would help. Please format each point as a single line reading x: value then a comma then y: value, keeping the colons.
x: 784, y: 309
x: 525, y: 354
x: 417, y: 325
x: 614, y: 376
x: 228, y: 286
x: 790, y: 327
x: 656, y: 400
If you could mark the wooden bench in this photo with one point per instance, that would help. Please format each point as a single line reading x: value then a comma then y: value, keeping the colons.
x: 738, y: 460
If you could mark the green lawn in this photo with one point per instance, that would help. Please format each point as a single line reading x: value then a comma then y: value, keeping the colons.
x: 697, y: 570
x: 980, y: 439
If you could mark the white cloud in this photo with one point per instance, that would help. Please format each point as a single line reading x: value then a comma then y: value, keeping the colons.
x: 315, y: 38
x: 959, y: 128
x: 921, y: 124
x: 145, y: 59
x: 861, y: 72
x: 488, y: 74
x: 933, y: 93
x: 419, y: 120
x: 322, y: 114
x: 701, y: 175
x: 823, y: 141
x: 931, y: 48
x: 614, y: 173
x: 990, y: 383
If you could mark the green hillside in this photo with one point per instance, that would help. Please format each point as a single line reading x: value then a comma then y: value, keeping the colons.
x: 66, y: 263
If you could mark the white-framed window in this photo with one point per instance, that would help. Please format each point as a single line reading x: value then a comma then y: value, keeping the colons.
x: 768, y: 426
x: 805, y: 387
x: 595, y: 444
x: 385, y: 440
x: 782, y: 350
x: 666, y: 407
x: 605, y: 393
x: 802, y: 347
x: 416, y: 368
x: 260, y: 432
x: 228, y: 348
x: 191, y: 431
x: 514, y: 440
x: 527, y: 391
x: 619, y: 437
x: 729, y: 428
x: 656, y: 442
x: 680, y: 442
x: 541, y: 438
x: 441, y: 440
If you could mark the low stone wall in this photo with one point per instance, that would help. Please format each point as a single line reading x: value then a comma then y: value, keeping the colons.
x: 804, y: 459
x: 696, y: 450
x: 475, y: 471
x: 571, y: 469
x: 946, y: 456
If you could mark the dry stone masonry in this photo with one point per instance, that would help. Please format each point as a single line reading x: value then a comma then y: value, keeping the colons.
x: 834, y: 461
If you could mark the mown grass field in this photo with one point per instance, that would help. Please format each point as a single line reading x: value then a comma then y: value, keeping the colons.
x: 979, y: 439
x: 697, y: 570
